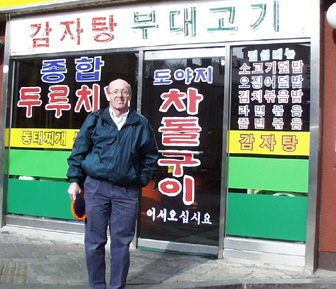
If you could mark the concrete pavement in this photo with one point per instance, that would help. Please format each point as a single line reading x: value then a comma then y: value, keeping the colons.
x: 36, y: 259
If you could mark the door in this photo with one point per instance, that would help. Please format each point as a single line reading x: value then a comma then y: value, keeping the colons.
x: 183, y: 97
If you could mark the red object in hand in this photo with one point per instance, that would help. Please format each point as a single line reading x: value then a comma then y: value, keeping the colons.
x: 78, y: 207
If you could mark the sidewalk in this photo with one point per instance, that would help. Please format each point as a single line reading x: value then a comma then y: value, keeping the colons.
x: 36, y: 259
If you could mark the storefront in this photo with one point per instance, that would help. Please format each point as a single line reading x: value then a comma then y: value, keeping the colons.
x: 232, y: 92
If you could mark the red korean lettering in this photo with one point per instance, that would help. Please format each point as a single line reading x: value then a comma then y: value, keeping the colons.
x: 180, y: 124
x: 188, y: 190
x: 79, y: 30
x: 180, y: 131
x: 173, y: 97
x: 84, y: 94
x: 170, y: 187
x: 194, y: 99
x: 183, y: 159
x: 99, y: 24
x: 96, y: 97
x: 181, y: 139
x: 42, y: 41
x: 29, y: 97
x: 58, y: 99
x: 67, y: 30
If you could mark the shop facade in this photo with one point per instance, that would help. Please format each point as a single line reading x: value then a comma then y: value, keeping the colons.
x: 232, y: 92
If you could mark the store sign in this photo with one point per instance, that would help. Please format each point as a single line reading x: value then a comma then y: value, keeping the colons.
x: 160, y: 24
x: 184, y: 104
x: 182, y: 132
x: 179, y: 131
x: 42, y: 138
x: 53, y: 74
x: 271, y: 100
x: 269, y: 143
x: 56, y: 94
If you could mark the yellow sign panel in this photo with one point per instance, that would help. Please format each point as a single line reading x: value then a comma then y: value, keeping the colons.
x: 13, y: 3
x: 42, y: 138
x: 269, y: 143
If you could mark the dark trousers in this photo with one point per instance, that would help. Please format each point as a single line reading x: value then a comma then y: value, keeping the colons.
x: 108, y: 204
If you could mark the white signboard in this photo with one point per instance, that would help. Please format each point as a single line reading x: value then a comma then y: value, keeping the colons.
x: 160, y: 24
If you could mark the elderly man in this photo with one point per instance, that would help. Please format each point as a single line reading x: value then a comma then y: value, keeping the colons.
x: 113, y: 156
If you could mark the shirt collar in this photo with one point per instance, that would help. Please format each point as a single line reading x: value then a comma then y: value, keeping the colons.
x: 113, y: 114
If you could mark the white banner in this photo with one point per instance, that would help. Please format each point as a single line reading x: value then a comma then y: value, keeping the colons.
x: 161, y: 24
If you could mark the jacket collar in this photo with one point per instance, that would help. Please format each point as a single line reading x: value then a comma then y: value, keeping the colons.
x: 132, y: 117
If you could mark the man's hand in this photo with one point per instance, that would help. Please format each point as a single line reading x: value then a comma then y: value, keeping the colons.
x: 73, y: 190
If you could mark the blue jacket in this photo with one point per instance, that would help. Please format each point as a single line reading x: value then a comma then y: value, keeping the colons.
x: 125, y: 157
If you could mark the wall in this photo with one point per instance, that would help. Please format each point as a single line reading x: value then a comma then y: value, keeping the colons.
x: 2, y: 37
x: 327, y: 249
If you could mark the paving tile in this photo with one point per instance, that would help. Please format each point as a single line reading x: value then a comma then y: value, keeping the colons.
x: 46, y: 259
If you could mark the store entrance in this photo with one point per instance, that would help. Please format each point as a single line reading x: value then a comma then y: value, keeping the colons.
x: 183, y: 98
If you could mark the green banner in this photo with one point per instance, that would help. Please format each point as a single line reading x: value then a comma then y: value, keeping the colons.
x: 275, y: 174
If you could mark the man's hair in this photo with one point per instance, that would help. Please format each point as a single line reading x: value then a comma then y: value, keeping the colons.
x: 129, y: 88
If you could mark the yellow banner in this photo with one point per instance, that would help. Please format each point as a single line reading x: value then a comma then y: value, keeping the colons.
x: 269, y: 143
x: 13, y: 3
x: 41, y: 138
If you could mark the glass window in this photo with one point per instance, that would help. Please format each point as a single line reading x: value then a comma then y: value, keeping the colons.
x: 51, y: 100
x: 60, y: 92
x: 269, y: 142
x: 183, y: 100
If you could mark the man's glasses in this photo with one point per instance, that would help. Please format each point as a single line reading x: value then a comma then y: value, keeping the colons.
x: 116, y: 92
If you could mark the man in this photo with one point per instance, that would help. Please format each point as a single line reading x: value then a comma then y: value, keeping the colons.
x: 113, y: 156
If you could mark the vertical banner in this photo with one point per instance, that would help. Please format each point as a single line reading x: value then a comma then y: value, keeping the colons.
x: 269, y: 142
x: 270, y: 100
x: 183, y: 99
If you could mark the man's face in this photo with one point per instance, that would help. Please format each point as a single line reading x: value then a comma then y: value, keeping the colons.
x: 118, y: 95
